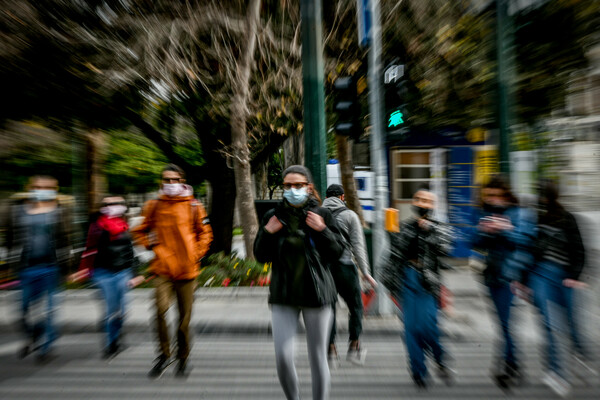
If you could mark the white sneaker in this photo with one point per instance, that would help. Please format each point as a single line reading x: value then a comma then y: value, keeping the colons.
x: 558, y: 385
x: 357, y: 356
x: 586, y: 365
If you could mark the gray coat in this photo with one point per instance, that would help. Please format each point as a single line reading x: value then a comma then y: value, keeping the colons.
x: 349, y: 223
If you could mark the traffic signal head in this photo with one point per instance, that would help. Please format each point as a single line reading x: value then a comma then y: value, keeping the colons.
x: 347, y: 108
x: 396, y: 98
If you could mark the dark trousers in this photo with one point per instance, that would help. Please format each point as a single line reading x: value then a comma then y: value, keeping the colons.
x: 557, y: 308
x: 502, y: 298
x: 39, y: 284
x: 420, y: 324
x: 348, y: 286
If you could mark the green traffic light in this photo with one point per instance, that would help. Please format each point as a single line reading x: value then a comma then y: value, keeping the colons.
x: 395, y: 119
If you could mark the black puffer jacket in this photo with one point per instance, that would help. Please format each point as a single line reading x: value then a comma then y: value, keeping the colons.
x: 115, y: 254
x: 413, y: 243
x: 300, y: 256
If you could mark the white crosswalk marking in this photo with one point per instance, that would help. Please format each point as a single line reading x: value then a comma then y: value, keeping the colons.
x: 243, y: 367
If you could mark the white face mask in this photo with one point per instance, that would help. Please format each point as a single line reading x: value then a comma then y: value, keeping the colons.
x: 114, y: 211
x: 42, y: 194
x: 296, y: 197
x: 172, y: 189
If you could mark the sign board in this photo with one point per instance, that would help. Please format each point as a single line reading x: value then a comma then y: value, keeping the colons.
x: 460, y: 195
x: 364, y: 21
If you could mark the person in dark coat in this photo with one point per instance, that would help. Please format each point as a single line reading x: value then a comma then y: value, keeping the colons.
x: 504, y: 233
x: 415, y: 252
x: 555, y: 276
x: 300, y: 239
x: 38, y: 240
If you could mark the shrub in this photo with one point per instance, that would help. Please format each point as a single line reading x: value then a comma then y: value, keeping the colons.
x: 225, y: 270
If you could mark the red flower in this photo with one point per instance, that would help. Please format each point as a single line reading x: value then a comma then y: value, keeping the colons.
x: 226, y: 282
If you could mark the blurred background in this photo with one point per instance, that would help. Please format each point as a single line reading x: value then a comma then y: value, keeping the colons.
x: 101, y: 94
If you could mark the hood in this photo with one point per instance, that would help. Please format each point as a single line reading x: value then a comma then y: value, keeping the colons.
x: 333, y: 203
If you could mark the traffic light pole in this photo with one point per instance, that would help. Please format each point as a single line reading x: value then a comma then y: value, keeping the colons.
x: 378, y: 160
x: 504, y: 65
x: 315, y: 156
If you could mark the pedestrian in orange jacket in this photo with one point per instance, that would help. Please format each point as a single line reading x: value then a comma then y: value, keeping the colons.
x: 176, y: 228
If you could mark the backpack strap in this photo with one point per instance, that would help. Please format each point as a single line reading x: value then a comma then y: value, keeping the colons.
x: 343, y: 232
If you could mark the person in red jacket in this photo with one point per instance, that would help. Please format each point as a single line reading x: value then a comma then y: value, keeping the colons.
x: 110, y: 260
x: 176, y: 228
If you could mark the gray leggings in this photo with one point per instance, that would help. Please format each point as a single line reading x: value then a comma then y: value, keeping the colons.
x: 285, y: 326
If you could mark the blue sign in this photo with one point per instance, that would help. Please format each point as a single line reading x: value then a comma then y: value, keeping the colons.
x: 460, y: 195
x: 364, y: 21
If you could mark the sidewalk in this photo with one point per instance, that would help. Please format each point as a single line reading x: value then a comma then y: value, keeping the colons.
x: 243, y: 310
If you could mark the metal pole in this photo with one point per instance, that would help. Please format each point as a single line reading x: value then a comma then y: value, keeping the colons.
x: 504, y: 62
x: 314, y: 96
x: 378, y: 159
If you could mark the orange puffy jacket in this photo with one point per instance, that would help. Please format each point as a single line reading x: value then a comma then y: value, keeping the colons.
x: 177, y: 230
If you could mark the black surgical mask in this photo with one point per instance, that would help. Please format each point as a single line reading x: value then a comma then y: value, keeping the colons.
x: 494, y: 209
x: 421, y: 211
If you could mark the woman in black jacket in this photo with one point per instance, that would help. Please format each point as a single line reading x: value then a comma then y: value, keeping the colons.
x: 559, y: 260
x: 300, y: 239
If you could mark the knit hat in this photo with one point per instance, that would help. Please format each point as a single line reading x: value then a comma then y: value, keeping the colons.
x: 334, y: 190
x: 298, y: 169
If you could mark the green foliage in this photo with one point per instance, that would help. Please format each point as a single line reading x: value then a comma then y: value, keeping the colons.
x: 133, y: 164
x: 225, y: 270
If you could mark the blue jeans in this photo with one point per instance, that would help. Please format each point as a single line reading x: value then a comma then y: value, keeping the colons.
x: 39, y: 283
x: 113, y: 287
x: 557, y: 309
x: 420, y: 324
x: 502, y: 298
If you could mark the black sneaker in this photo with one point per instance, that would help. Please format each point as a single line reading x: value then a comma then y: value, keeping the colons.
x: 445, y: 374
x: 514, y: 374
x: 420, y: 382
x: 24, y: 351
x: 183, y: 369
x: 112, y: 350
x: 160, y: 365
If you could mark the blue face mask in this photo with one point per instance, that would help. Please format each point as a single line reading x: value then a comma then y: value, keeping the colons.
x: 43, y: 194
x: 296, y: 197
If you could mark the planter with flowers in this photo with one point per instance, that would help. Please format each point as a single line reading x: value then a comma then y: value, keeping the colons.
x: 222, y: 270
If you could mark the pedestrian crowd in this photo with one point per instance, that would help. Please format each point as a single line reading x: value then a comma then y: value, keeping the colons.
x: 318, y: 251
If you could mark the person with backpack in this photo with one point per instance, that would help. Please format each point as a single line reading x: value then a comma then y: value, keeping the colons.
x: 345, y: 274
x: 109, y: 260
x: 300, y: 239
x: 176, y: 228
x: 38, y: 241
x: 415, y: 251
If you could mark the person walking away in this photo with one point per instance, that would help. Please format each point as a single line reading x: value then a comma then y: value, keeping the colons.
x: 554, y: 279
x: 38, y: 236
x: 345, y: 274
x: 176, y: 228
x: 415, y: 251
x: 298, y: 237
x: 503, y: 235
x: 109, y: 259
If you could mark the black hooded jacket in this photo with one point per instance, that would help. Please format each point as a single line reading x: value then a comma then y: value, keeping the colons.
x: 300, y: 256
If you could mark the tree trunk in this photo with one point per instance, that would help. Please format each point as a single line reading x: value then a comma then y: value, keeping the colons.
x: 95, y: 158
x: 347, y: 173
x: 239, y: 138
x: 222, y: 183
x: 293, y: 150
x: 261, y: 181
